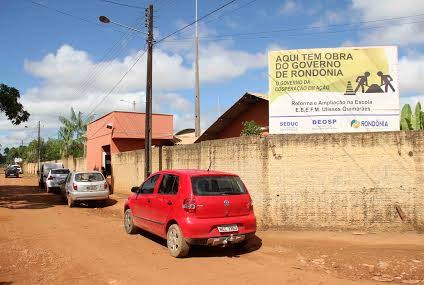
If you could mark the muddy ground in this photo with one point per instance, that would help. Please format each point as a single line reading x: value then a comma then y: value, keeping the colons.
x: 42, y: 241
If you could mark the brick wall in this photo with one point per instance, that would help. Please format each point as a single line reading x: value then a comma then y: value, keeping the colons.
x: 325, y: 181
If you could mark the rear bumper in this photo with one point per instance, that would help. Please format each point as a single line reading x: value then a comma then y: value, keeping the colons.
x: 81, y: 196
x: 221, y: 240
x: 195, y: 228
x: 52, y: 184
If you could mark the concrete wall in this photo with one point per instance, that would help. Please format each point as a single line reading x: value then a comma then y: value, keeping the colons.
x: 326, y: 181
x: 74, y: 164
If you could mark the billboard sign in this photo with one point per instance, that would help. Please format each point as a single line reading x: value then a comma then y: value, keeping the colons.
x: 333, y: 90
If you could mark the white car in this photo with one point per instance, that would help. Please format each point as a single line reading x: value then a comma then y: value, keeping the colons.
x: 45, y: 169
x: 56, y: 178
x: 18, y: 167
x: 85, y: 186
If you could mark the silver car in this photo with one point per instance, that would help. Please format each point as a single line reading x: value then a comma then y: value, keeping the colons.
x: 85, y: 186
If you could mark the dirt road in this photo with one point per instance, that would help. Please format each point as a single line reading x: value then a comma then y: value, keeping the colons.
x: 42, y: 241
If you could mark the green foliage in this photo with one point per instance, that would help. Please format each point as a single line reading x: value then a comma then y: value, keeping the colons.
x: 250, y: 128
x: 49, y: 150
x: 72, y: 134
x: 9, y: 105
x: 411, y: 121
x: 405, y: 118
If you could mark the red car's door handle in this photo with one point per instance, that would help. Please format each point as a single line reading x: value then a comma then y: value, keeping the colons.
x: 169, y: 203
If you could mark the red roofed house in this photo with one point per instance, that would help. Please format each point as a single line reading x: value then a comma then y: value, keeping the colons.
x: 250, y: 107
x: 123, y: 131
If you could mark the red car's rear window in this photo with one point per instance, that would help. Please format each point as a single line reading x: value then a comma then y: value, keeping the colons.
x: 217, y: 185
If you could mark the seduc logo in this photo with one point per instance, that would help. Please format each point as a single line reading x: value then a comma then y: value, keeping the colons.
x: 289, y: 124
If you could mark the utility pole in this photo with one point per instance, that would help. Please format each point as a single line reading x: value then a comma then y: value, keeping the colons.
x: 149, y: 83
x: 39, y: 146
x: 197, y: 88
x: 133, y: 106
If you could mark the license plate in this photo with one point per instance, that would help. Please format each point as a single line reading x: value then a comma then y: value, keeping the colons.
x: 91, y: 188
x: 227, y: 229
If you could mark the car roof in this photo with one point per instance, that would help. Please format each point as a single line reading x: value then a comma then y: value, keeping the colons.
x: 195, y: 172
x: 88, y: 171
x: 52, y: 164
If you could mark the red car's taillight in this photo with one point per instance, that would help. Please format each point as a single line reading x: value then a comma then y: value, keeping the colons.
x: 105, y: 186
x: 189, y: 205
x: 250, y: 205
x: 75, y: 186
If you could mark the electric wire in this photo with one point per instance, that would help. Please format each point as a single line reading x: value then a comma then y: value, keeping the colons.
x: 223, y: 14
x: 101, y: 27
x: 117, y: 83
x: 263, y: 34
x: 123, y: 4
x: 196, y: 21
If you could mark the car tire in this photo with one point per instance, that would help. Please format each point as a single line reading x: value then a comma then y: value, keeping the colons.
x: 129, y: 226
x: 71, y: 203
x: 177, y: 245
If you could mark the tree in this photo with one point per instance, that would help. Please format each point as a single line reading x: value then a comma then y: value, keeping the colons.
x: 10, y: 106
x: 411, y: 121
x: 52, y: 149
x: 72, y: 134
x: 251, y: 128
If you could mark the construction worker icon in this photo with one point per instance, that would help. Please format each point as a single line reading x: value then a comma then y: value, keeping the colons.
x: 386, y: 81
x: 362, y: 82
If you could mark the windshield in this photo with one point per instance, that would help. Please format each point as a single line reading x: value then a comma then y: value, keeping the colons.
x: 48, y: 167
x: 217, y: 185
x: 88, y: 177
x: 60, y: 171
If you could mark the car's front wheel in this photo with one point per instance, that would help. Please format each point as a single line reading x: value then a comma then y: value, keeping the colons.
x: 177, y: 245
x: 129, y: 226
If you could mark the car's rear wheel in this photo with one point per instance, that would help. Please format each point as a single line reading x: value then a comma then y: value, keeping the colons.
x: 177, y: 245
x: 129, y: 226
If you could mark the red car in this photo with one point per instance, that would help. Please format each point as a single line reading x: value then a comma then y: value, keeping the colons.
x: 192, y: 207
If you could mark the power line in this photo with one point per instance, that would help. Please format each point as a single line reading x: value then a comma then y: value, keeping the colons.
x: 333, y: 25
x: 225, y: 13
x: 72, y: 15
x: 196, y: 21
x: 164, y: 4
x: 264, y: 35
x: 117, y: 83
x: 123, y: 4
x: 114, y: 51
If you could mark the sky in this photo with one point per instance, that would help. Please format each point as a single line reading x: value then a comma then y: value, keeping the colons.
x: 58, y: 55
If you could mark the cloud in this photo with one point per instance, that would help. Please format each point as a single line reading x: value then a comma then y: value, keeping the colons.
x: 402, y: 32
x: 70, y: 77
x: 371, y: 10
x: 329, y: 18
x: 287, y: 7
x: 411, y: 73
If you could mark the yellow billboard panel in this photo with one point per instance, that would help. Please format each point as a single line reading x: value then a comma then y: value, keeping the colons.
x: 332, y: 83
